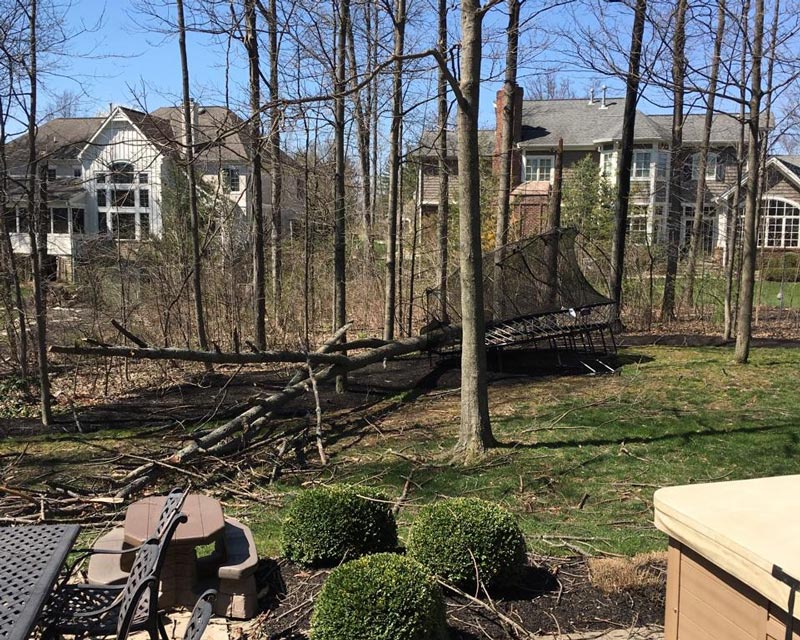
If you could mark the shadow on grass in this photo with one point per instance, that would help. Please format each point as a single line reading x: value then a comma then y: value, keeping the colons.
x: 627, y: 439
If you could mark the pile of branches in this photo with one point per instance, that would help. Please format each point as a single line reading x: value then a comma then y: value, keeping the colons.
x: 333, y: 359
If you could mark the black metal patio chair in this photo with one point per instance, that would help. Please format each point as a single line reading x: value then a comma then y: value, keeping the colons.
x: 201, y: 614
x: 115, y: 610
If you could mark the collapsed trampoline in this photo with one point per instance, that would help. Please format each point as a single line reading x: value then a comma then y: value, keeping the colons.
x: 535, y: 294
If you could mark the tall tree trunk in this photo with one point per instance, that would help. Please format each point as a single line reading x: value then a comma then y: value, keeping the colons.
x: 553, y: 224
x: 362, y: 137
x: 188, y: 153
x: 276, y: 174
x: 696, y: 240
x: 37, y: 219
x: 675, y: 213
x: 399, y: 20
x: 749, y: 235
x: 733, y: 213
x: 475, y: 433
x: 257, y: 194
x: 339, y: 272
x: 505, y: 165
x: 10, y: 264
x: 443, y: 212
x: 625, y: 160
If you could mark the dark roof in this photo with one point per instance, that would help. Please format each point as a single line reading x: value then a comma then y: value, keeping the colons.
x: 60, y: 189
x: 792, y: 163
x: 220, y: 133
x: 60, y: 139
x: 157, y: 130
x: 724, y: 127
x: 428, y: 146
x: 580, y: 123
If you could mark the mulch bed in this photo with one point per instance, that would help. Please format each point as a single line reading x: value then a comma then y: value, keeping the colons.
x: 554, y: 596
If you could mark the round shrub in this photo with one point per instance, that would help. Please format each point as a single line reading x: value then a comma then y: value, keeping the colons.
x: 329, y: 524
x: 453, y: 536
x: 379, y: 597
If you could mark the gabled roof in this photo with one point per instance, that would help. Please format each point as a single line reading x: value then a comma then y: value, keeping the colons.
x: 220, y: 133
x: 155, y: 130
x: 59, y: 139
x: 788, y: 166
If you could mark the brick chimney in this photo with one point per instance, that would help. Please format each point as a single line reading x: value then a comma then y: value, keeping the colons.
x: 516, y: 132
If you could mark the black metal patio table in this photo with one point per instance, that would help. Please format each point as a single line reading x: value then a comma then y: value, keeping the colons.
x: 31, y: 558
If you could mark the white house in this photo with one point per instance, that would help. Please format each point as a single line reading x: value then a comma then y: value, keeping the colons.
x: 106, y: 177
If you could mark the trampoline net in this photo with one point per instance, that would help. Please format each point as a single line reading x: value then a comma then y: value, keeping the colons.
x: 532, y: 277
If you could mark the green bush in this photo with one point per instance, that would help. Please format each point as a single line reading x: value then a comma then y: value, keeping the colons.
x: 329, y: 524
x: 379, y: 597
x: 780, y: 266
x: 454, y: 537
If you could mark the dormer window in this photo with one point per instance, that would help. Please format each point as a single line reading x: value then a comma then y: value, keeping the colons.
x: 538, y: 168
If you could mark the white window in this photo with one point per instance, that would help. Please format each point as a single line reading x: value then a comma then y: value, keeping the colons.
x: 122, y: 204
x: 780, y: 226
x: 711, y: 166
x: 539, y: 168
x: 637, y: 225
x: 230, y: 179
x: 607, y: 164
x: 642, y: 158
x: 662, y: 162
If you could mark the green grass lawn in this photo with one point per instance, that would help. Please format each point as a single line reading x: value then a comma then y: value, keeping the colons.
x: 583, y: 455
x: 580, y: 460
x: 710, y: 292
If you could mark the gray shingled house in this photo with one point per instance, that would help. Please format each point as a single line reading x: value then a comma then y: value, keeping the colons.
x: 593, y: 127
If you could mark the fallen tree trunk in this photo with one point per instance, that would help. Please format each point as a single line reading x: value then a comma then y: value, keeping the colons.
x: 254, y: 419
x: 188, y: 355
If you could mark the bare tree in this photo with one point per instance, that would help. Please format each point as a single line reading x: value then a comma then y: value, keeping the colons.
x: 626, y: 157
x: 749, y: 234
x: 188, y: 154
x: 339, y: 267
x: 548, y: 85
x: 17, y: 335
x: 393, y: 210
x: 505, y: 164
x: 37, y: 214
x: 274, y: 141
x: 475, y: 433
x: 676, y: 169
x: 443, y: 213
x: 695, y: 242
x: 257, y: 195
x: 732, y: 217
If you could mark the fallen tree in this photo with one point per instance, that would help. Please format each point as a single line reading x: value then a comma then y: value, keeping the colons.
x: 239, y: 431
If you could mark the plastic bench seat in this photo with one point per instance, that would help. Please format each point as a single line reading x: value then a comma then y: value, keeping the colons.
x: 238, y: 595
x: 107, y: 569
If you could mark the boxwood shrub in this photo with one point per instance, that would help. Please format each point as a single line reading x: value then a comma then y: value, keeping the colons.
x: 451, y: 537
x: 384, y: 596
x: 328, y: 524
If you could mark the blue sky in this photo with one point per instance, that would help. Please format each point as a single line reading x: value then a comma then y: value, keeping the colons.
x: 123, y: 62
